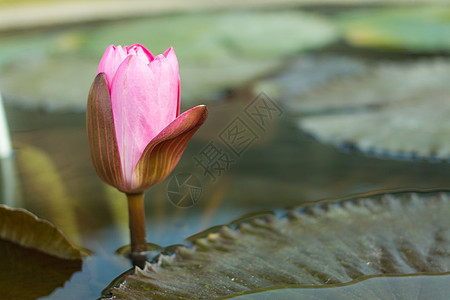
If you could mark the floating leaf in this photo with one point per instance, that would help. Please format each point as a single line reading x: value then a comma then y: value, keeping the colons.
x: 309, y: 72
x: 215, y: 36
x: 55, y: 84
x: 217, y: 51
x: 25, y: 229
x: 317, y: 244
x: 35, y: 257
x: 415, y: 28
x: 378, y: 288
x: 398, y: 110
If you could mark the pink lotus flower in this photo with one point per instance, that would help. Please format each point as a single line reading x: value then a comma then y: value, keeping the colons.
x: 135, y: 130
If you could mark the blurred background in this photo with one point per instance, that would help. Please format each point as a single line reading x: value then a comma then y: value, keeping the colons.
x: 336, y: 97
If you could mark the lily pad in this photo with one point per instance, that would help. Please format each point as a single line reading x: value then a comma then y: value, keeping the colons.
x: 217, y: 51
x: 307, y: 73
x: 208, y: 37
x: 379, y: 288
x: 318, y: 244
x: 35, y: 257
x: 25, y: 229
x: 398, y: 110
x: 415, y: 28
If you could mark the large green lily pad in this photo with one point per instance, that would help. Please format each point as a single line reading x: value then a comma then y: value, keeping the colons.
x: 379, y: 288
x: 415, y: 28
x: 397, y: 110
x: 217, y: 51
x: 317, y: 244
x: 35, y: 257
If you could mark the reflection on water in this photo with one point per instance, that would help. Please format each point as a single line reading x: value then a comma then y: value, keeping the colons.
x: 384, y: 287
x: 48, y: 272
x: 282, y: 168
x: 7, y: 182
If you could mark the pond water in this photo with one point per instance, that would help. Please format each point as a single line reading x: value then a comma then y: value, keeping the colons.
x: 279, y: 166
x: 55, y: 180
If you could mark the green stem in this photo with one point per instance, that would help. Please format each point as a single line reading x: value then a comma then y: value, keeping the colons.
x: 136, y: 217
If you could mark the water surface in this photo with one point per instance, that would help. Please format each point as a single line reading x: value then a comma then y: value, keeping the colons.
x: 282, y: 168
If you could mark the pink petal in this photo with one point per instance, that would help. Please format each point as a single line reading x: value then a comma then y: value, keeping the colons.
x: 110, y: 61
x: 133, y: 49
x: 144, y: 101
x: 169, y: 54
x: 167, y: 89
x: 163, y: 153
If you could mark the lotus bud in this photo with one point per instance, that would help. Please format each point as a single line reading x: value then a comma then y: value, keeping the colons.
x: 135, y: 130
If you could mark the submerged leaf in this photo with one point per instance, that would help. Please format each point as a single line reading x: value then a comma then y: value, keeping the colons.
x: 316, y: 244
x: 44, y: 190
